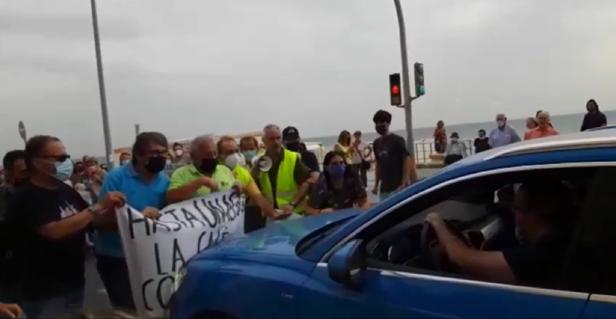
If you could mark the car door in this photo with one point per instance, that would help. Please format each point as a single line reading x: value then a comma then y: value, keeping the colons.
x: 387, y: 292
x: 593, y: 263
x: 396, y: 294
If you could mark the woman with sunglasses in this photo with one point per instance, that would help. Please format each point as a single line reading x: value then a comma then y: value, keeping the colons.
x: 338, y: 187
x: 50, y: 219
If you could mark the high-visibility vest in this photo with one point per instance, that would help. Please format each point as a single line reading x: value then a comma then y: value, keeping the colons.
x: 286, y: 187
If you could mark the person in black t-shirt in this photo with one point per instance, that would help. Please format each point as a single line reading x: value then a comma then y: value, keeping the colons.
x: 594, y: 118
x: 338, y: 187
x: 394, y: 166
x: 481, y: 143
x: 50, y: 219
x: 292, y: 142
x: 542, y: 213
x: 16, y: 175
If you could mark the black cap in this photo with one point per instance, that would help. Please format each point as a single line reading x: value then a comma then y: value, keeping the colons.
x: 455, y: 134
x: 290, y: 133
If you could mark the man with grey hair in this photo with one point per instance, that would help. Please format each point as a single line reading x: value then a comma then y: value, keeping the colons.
x: 280, y: 174
x: 203, y: 176
x: 503, y: 134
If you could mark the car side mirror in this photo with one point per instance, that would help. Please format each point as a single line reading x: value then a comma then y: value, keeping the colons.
x: 347, y: 264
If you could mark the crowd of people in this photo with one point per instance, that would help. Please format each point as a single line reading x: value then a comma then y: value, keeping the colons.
x: 52, y: 207
x: 538, y: 126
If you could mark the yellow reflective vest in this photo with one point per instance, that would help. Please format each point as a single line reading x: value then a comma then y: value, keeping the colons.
x: 286, y: 187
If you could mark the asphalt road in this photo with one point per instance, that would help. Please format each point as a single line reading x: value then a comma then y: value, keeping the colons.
x: 96, y: 302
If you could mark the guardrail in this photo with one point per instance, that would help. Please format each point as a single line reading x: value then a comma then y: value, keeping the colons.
x: 425, y: 152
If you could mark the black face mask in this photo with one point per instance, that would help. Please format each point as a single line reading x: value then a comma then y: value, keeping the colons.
x: 208, y: 166
x: 381, y: 129
x: 293, y: 146
x: 156, y: 164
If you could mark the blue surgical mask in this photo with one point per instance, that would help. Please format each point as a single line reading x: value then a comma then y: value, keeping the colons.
x: 336, y: 171
x: 64, y: 170
x: 249, y: 155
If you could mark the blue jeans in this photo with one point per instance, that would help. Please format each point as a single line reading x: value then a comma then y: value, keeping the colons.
x: 69, y: 304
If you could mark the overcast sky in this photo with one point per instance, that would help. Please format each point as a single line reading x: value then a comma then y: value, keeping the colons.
x: 191, y: 67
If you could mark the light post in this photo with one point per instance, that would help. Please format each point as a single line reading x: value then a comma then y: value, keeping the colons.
x: 408, y: 113
x: 101, y: 86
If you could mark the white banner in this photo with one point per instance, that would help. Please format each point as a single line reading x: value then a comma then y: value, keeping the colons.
x: 156, y: 249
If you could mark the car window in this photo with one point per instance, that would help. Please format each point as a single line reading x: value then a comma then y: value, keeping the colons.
x: 482, y: 212
x: 591, y: 263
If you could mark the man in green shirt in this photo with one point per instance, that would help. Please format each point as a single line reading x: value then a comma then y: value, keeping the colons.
x: 203, y: 177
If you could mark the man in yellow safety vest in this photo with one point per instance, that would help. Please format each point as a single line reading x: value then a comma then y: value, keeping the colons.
x: 280, y: 173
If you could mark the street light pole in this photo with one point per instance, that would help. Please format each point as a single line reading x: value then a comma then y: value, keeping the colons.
x: 408, y: 113
x: 101, y: 86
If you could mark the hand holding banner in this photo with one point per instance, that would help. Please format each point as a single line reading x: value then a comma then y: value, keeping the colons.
x: 156, y: 249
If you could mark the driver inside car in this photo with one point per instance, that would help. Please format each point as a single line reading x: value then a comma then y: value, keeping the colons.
x: 542, y: 213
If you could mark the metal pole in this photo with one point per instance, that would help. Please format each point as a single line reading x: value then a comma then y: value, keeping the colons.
x: 137, y: 129
x: 101, y: 87
x: 408, y: 114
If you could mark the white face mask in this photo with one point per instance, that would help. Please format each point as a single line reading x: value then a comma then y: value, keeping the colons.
x: 234, y: 160
x: 454, y: 140
x: 178, y: 152
x: 501, y: 123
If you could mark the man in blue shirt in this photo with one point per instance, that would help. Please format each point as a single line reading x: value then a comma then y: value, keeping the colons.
x: 503, y: 134
x: 144, y: 184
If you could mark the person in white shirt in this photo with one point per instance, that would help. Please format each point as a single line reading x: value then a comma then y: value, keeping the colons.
x: 360, y: 163
x: 456, y: 150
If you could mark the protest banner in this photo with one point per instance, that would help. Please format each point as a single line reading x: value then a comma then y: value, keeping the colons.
x: 156, y: 249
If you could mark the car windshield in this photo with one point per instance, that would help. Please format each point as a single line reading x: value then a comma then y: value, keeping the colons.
x: 316, y: 236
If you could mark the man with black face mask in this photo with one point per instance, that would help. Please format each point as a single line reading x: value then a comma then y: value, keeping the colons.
x: 394, y: 166
x: 144, y: 183
x: 204, y: 176
x: 293, y: 142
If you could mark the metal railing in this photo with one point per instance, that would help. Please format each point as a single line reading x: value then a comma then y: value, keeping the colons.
x: 424, y: 149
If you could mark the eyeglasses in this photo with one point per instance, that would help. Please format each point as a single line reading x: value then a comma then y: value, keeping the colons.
x: 57, y: 158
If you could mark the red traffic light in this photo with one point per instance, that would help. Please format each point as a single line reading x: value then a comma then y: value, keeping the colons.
x: 395, y: 90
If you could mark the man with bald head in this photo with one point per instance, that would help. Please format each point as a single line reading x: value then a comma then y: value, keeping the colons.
x: 285, y: 182
x: 203, y: 176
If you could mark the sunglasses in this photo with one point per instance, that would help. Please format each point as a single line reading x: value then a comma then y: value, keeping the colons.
x: 57, y: 158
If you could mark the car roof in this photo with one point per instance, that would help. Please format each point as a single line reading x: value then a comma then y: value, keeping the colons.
x: 584, y: 140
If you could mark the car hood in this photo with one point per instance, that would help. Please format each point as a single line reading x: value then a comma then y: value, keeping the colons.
x: 277, y: 240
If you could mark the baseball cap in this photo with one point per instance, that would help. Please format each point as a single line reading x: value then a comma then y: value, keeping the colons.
x: 290, y: 133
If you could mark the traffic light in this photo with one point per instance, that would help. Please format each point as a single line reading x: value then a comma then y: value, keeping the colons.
x: 394, y: 89
x: 420, y: 89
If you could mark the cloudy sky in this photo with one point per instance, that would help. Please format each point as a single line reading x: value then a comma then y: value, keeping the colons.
x: 190, y: 67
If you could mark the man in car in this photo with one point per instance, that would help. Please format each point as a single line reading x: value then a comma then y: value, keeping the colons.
x: 541, y: 212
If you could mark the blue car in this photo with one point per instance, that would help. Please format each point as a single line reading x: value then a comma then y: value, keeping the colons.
x: 386, y: 262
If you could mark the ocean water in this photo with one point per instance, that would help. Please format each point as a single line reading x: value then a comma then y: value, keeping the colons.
x: 567, y: 123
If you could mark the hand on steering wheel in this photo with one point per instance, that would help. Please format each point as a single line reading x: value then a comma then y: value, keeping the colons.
x: 431, y: 248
